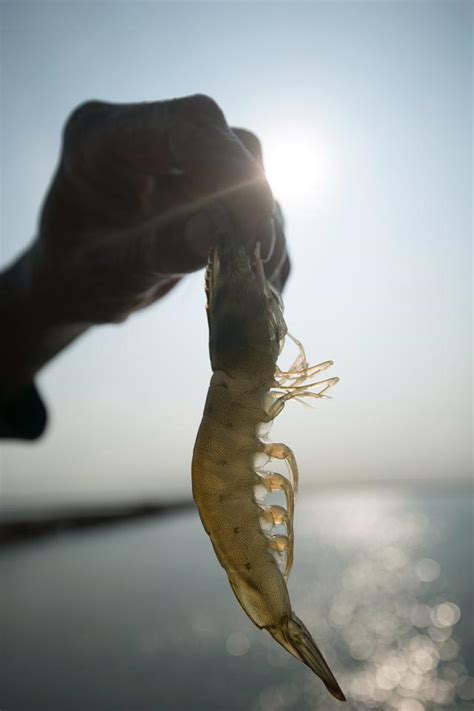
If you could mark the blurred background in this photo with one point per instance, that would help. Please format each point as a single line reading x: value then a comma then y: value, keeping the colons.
x: 364, y: 110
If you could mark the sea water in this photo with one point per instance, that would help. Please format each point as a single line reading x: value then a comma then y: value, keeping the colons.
x: 140, y: 617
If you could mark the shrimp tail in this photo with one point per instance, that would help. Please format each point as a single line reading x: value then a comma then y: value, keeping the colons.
x: 296, y: 639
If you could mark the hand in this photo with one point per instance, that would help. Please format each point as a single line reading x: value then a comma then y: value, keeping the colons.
x: 138, y: 193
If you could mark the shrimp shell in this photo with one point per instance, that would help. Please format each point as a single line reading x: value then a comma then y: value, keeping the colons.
x: 246, y: 334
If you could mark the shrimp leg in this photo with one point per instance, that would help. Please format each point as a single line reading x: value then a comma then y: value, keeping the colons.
x: 278, y: 450
x: 301, y: 360
x: 298, y: 367
x: 276, y: 514
x: 298, y: 392
x: 299, y: 375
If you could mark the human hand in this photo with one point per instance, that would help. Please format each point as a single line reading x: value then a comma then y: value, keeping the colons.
x: 138, y: 193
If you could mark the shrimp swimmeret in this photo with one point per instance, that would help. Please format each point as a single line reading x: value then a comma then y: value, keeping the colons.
x: 246, y: 334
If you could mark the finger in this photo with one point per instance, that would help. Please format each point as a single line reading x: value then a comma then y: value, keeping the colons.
x: 276, y: 260
x: 164, y: 162
x: 184, y: 233
x: 220, y: 168
x: 135, y: 133
x: 123, y: 153
x: 210, y: 169
x: 269, y: 238
x: 113, y: 157
x: 277, y: 257
x: 251, y: 143
x: 181, y: 245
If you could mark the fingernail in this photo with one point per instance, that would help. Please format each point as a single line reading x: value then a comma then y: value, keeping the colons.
x: 198, y: 234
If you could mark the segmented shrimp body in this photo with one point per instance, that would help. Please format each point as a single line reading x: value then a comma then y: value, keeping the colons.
x: 246, y: 334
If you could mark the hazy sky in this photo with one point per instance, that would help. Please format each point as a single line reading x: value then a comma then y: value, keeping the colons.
x: 364, y: 110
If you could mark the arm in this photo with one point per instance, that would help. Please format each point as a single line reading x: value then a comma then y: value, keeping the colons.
x: 138, y: 192
x: 32, y: 333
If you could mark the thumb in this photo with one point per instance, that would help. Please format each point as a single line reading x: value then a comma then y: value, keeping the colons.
x: 183, y: 245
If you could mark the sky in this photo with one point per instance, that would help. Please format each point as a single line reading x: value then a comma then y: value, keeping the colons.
x: 364, y: 111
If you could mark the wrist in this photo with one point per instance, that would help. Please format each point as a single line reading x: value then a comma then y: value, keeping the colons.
x: 34, y: 329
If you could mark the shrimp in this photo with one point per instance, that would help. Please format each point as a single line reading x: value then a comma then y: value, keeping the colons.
x: 246, y: 334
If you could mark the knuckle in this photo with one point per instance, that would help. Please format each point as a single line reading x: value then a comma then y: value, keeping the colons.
x: 83, y: 117
x: 204, y: 107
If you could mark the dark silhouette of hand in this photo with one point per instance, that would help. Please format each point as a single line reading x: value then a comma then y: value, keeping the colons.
x: 138, y: 193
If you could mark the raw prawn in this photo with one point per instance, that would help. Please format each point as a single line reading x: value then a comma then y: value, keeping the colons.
x: 246, y: 334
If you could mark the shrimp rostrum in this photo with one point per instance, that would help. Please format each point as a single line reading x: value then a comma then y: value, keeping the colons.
x: 247, y: 389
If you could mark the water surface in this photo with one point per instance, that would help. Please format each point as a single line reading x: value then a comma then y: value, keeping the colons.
x: 140, y: 617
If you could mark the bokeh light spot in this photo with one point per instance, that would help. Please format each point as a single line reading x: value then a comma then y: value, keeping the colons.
x: 237, y: 644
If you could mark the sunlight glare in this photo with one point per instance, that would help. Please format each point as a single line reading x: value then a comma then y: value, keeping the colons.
x: 299, y: 168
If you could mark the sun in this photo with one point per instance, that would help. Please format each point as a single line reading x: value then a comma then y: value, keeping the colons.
x: 298, y: 167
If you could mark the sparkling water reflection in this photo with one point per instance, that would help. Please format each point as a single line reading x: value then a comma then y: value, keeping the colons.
x: 392, y: 611
x: 140, y: 617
